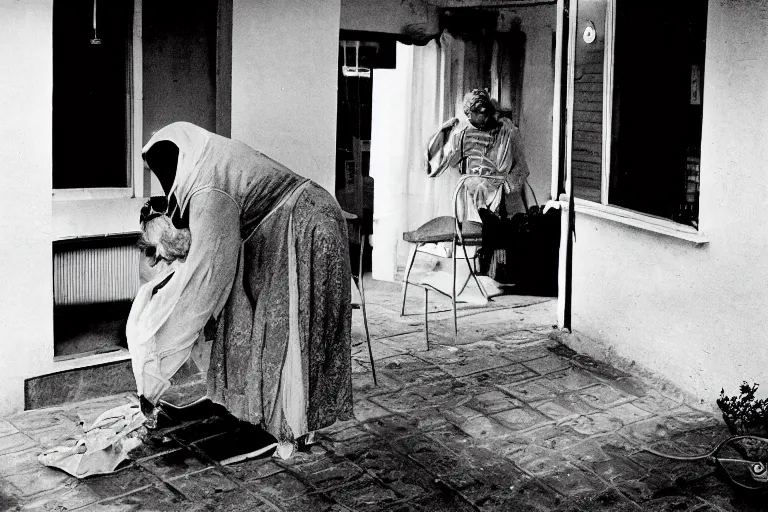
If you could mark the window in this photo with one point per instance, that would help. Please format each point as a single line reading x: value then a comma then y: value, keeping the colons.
x: 91, y: 93
x: 636, y: 137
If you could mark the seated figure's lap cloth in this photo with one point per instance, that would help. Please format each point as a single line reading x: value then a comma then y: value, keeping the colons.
x: 269, y: 260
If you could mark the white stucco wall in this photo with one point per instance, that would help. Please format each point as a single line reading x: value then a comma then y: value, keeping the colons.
x: 284, y: 79
x: 697, y: 315
x: 26, y: 311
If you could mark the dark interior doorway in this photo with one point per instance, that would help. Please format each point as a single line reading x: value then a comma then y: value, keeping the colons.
x: 359, y: 54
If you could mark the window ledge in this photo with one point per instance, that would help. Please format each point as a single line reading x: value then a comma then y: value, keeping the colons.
x: 637, y: 220
x: 79, y: 194
x: 61, y: 364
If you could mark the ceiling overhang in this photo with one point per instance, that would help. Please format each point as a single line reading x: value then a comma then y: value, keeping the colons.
x: 454, y: 4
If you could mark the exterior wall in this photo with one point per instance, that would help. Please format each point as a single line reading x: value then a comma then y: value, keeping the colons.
x: 26, y: 310
x: 284, y: 74
x: 696, y: 315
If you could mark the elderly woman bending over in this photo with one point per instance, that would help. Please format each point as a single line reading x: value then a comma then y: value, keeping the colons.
x: 264, y: 252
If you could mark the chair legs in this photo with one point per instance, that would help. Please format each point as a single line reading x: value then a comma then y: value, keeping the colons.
x: 408, y: 267
x: 368, y: 339
x: 426, y: 316
x: 453, y: 293
x: 473, y: 271
x: 361, y: 287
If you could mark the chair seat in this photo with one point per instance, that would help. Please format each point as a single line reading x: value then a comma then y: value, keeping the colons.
x: 441, y: 229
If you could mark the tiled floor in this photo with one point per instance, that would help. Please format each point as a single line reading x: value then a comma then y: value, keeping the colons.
x: 501, y: 419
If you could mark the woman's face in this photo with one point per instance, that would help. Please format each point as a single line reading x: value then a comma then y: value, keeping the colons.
x: 481, y: 116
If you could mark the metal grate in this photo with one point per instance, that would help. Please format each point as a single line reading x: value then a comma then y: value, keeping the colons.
x: 93, y: 275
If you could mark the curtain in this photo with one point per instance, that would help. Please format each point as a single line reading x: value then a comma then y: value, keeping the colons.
x: 409, y: 105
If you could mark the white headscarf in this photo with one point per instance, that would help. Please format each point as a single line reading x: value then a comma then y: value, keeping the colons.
x: 193, y: 143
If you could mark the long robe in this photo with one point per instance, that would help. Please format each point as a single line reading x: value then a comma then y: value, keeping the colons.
x: 269, y: 260
x: 497, y: 152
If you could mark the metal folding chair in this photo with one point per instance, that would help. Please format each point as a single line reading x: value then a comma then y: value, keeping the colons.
x: 447, y: 229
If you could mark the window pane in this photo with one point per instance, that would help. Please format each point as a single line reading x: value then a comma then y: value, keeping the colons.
x: 90, y: 93
x: 657, y: 107
x: 587, y: 140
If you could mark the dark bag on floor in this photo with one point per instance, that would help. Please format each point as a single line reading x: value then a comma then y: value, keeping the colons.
x: 531, y: 243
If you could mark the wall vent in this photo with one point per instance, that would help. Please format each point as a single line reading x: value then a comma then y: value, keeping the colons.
x: 95, y: 270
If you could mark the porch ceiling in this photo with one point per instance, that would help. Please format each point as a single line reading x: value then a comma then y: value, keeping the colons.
x: 488, y: 3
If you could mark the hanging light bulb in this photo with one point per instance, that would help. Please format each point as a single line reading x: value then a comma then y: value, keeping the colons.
x: 95, y: 39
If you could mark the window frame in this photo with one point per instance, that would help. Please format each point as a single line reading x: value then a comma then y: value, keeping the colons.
x: 138, y: 175
x: 604, y: 209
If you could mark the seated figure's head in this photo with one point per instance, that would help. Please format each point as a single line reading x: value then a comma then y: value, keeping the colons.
x: 161, y: 241
x: 480, y: 109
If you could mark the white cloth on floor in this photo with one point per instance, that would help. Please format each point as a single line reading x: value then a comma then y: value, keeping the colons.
x: 467, y: 290
x: 101, y: 447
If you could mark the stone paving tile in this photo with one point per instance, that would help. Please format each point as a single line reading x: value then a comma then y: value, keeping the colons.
x: 17, y: 463
x: 407, y: 369
x: 363, y: 386
x: 453, y: 438
x: 154, y: 498
x: 173, y: 464
x: 467, y: 361
x: 40, y: 481
x: 406, y: 343
x: 427, y: 419
x: 630, y: 386
x: 210, y: 488
x: 521, y: 419
x: 616, y: 469
x: 122, y: 482
x: 571, y: 481
x: 402, y: 401
x: 599, y: 368
x: 254, y: 469
x: 7, y: 428
x: 506, y: 377
x: 538, y: 461
x: 572, y: 379
x: 603, y: 396
x: 492, y: 402
x: 562, y: 407
x: 41, y: 419
x: 329, y: 472
x: 397, y: 472
x: 444, y: 501
x: 484, y: 428
x: 551, y: 436
x: 628, y: 413
x: 609, y: 500
x: 365, y: 410
x: 525, y: 354
x: 656, y: 403
x: 548, y: 364
x: 596, y: 423
x: 279, y: 488
x: 15, y: 443
x: 531, y: 390
x: 70, y: 498
x: 365, y: 494
x: 651, y: 430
